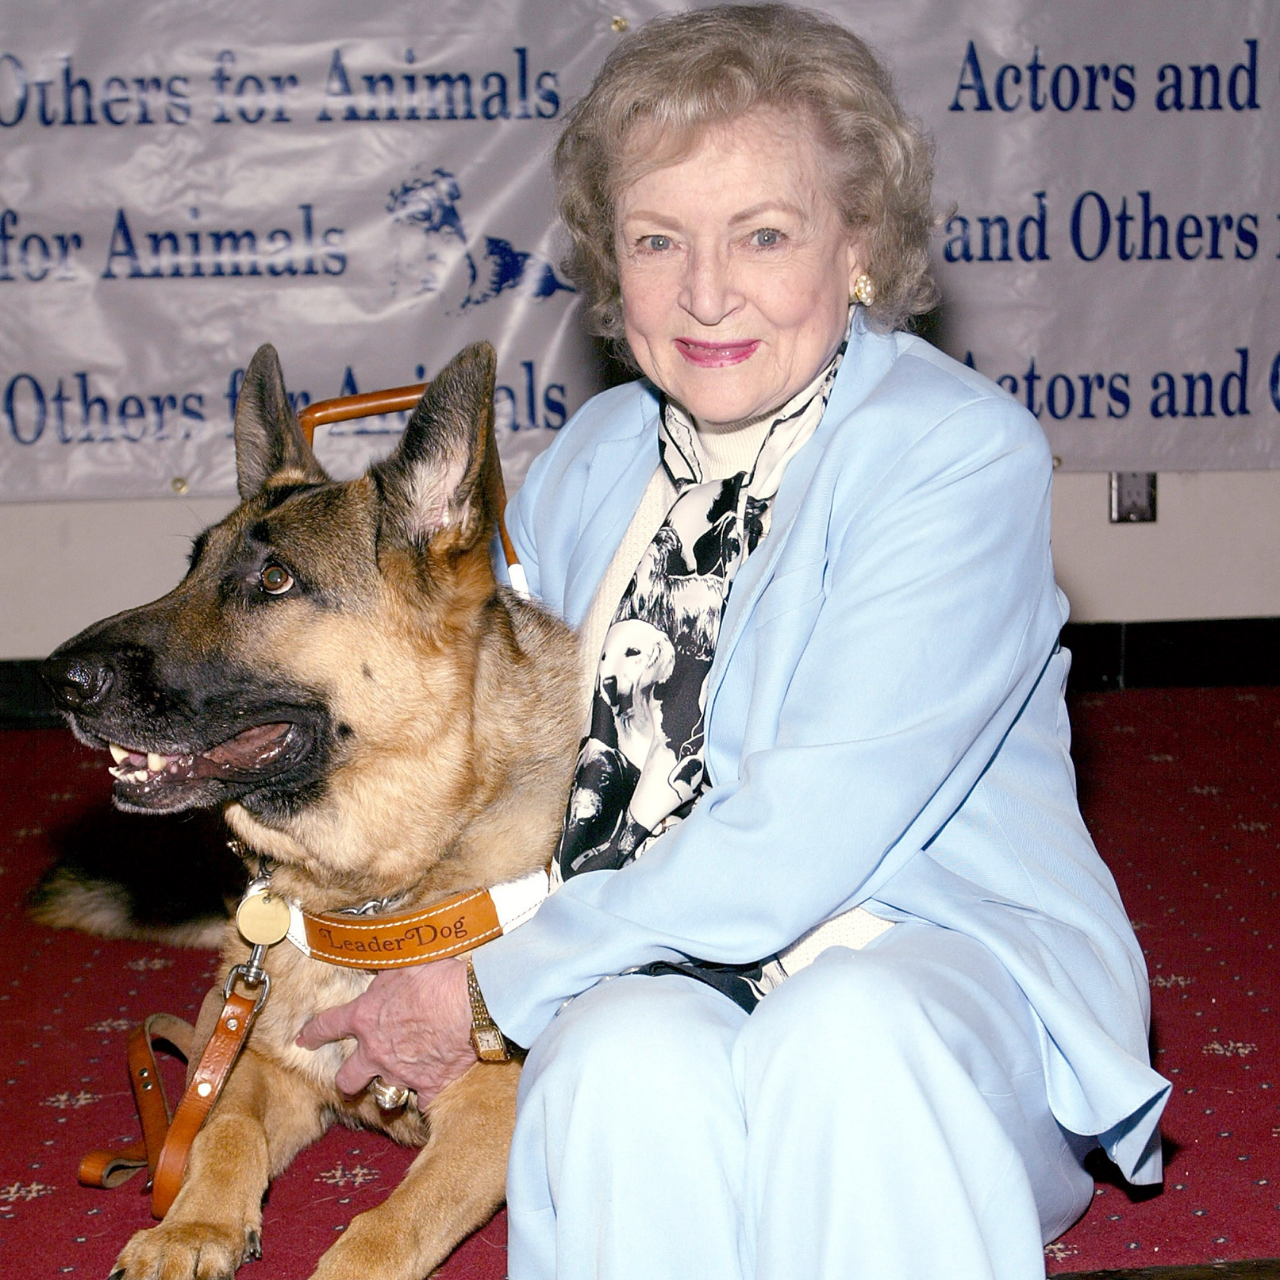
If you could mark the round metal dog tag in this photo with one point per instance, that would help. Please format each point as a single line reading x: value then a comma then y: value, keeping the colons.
x: 262, y: 918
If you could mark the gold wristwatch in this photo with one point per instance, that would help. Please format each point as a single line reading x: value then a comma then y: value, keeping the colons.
x: 489, y: 1042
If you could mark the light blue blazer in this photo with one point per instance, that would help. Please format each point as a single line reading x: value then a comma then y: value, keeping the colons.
x: 885, y: 724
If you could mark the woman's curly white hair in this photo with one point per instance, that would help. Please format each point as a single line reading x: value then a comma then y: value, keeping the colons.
x: 681, y: 73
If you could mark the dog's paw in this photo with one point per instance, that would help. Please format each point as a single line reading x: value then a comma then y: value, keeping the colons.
x: 187, y: 1251
x: 369, y: 1249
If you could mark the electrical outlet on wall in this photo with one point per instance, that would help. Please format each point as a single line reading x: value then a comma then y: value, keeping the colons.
x: 1133, y: 497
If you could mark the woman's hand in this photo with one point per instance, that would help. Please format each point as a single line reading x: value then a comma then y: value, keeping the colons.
x: 412, y: 1027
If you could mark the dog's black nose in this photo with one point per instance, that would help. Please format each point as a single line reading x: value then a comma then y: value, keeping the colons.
x: 609, y: 687
x: 76, y: 682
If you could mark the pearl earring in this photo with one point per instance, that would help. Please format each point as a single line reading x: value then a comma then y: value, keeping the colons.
x: 864, y: 291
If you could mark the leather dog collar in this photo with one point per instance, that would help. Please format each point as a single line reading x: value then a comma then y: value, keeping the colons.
x: 449, y: 927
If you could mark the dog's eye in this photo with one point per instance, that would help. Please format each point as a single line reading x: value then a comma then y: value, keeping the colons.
x: 275, y: 579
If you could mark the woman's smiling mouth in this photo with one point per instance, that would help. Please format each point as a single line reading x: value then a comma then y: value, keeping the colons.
x: 715, y: 355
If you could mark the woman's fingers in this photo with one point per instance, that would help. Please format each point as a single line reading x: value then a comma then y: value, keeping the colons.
x: 337, y: 1023
x: 355, y: 1074
x: 360, y: 1068
x: 412, y: 1027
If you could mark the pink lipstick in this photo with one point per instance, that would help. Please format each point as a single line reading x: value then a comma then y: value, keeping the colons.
x: 716, y: 355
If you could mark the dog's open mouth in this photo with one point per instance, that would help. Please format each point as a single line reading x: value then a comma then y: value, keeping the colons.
x: 250, y: 754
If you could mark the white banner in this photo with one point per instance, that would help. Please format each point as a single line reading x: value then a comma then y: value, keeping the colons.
x: 369, y: 190
x: 1112, y: 257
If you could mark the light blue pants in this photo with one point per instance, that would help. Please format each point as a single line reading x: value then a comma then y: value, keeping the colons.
x: 880, y: 1116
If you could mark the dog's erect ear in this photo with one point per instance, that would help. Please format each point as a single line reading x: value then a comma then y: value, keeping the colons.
x: 268, y: 440
x: 442, y: 478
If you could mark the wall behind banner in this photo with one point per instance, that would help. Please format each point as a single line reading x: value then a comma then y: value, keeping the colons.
x: 369, y: 191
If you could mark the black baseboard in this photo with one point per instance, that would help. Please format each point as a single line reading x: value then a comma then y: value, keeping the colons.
x: 1254, y: 1269
x: 1104, y: 655
x: 24, y: 701
x: 1152, y: 655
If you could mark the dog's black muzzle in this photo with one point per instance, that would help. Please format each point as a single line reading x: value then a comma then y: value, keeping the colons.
x: 188, y: 734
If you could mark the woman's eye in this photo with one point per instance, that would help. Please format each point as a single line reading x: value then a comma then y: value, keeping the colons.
x: 656, y: 244
x: 766, y: 238
x: 275, y: 579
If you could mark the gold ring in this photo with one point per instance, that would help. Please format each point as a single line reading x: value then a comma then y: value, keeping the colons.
x: 389, y: 1097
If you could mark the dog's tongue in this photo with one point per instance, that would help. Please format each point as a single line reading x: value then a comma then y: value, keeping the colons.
x: 251, y: 749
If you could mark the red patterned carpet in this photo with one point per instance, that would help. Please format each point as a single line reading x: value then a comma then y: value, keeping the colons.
x: 1181, y: 789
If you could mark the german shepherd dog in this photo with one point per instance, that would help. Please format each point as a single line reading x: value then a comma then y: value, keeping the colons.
x: 340, y: 672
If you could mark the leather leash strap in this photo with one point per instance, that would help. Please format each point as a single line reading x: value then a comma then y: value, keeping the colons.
x: 203, y: 1088
x: 444, y: 929
x: 111, y: 1168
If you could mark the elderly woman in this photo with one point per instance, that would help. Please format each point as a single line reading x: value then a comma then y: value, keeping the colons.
x: 834, y: 982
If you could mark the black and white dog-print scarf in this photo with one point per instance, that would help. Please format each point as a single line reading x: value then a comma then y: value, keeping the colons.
x: 640, y: 767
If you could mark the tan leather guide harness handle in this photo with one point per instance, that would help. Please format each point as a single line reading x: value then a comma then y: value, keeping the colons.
x: 393, y: 400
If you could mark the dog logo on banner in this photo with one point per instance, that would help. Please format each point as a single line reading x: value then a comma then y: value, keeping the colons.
x: 433, y: 245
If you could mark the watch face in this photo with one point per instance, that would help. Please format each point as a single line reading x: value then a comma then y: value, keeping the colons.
x: 489, y: 1042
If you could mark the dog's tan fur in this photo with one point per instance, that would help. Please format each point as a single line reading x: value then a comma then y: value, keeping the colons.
x: 452, y: 708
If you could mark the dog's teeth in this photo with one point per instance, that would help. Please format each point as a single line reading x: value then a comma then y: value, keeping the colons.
x: 118, y: 753
x: 117, y: 772
x: 139, y: 775
x: 156, y: 762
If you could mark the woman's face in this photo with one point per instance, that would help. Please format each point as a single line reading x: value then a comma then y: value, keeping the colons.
x: 735, y: 269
